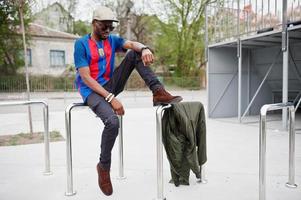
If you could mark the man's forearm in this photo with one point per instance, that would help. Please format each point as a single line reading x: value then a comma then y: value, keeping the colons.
x: 136, y: 46
x: 95, y: 86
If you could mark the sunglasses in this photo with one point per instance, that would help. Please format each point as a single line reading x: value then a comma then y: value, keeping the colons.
x: 104, y: 26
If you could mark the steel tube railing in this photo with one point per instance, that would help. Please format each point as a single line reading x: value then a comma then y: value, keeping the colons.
x: 70, y: 190
x: 262, y: 145
x: 159, y: 114
x: 250, y: 16
x: 203, y: 177
x: 46, y: 127
x: 121, y: 163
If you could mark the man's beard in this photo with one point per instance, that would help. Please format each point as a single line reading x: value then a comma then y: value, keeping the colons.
x: 102, y: 36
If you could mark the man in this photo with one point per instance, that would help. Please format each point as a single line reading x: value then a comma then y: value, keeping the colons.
x: 98, y: 82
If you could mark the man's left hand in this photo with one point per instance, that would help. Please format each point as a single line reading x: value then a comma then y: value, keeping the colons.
x: 147, y: 57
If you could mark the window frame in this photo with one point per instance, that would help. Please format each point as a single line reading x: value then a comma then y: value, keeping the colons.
x: 51, y: 56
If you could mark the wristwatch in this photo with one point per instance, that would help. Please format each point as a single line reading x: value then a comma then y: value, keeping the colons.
x: 145, y: 47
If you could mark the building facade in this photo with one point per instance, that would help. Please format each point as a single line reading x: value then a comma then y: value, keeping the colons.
x: 50, y: 51
x: 56, y: 17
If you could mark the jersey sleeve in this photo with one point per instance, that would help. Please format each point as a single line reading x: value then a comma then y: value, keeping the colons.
x: 118, y: 42
x: 80, y: 55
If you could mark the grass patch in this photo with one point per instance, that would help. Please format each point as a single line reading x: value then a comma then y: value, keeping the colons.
x: 27, y: 138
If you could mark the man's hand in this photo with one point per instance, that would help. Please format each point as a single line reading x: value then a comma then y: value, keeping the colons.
x: 117, y: 106
x: 147, y: 57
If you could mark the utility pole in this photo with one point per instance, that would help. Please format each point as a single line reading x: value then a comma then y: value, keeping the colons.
x: 129, y: 6
x: 21, y: 6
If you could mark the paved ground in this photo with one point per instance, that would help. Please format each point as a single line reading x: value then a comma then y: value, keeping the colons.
x: 231, y: 170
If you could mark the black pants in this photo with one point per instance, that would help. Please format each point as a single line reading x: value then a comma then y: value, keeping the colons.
x: 116, y: 85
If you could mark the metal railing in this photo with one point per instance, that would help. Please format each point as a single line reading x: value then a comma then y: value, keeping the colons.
x: 159, y: 114
x: 262, y: 146
x: 70, y: 190
x: 46, y: 127
x: 159, y: 147
x: 59, y: 84
x: 230, y: 19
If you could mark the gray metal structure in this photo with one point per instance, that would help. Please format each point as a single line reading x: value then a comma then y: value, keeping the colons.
x: 253, y: 55
x: 46, y: 127
x: 262, y: 145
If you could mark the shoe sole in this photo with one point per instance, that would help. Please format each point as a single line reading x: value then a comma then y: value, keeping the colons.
x: 173, y: 101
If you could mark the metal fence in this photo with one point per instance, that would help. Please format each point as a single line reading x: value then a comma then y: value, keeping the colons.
x: 37, y: 84
x: 228, y: 19
x: 57, y: 84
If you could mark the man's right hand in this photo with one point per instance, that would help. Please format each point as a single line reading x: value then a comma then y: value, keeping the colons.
x: 117, y: 106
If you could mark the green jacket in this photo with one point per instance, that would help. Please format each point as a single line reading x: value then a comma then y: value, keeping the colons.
x: 184, y: 139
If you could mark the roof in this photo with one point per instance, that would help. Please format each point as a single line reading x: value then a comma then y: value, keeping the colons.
x: 43, y: 31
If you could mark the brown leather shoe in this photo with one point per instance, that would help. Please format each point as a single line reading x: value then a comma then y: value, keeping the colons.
x: 104, y: 180
x: 161, y: 96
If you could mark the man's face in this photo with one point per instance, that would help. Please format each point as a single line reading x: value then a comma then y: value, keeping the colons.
x: 102, y: 29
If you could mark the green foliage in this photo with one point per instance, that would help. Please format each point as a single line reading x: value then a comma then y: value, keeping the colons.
x: 11, y: 44
x: 81, y: 27
x: 181, y: 41
x: 192, y: 83
x: 165, y: 43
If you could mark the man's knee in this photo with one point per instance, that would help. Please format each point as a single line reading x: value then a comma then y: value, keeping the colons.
x: 112, y: 122
x: 133, y: 55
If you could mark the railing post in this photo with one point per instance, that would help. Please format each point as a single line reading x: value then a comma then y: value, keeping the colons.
x: 291, y: 173
x: 159, y: 113
x: 203, y: 177
x: 262, y: 146
x: 46, y: 128
x: 70, y: 191
x: 121, y: 163
x: 262, y: 156
x: 46, y: 139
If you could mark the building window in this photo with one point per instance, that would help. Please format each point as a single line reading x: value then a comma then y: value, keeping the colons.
x: 29, y: 57
x: 57, y: 58
x: 62, y: 20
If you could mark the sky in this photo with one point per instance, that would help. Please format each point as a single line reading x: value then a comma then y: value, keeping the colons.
x: 85, y: 7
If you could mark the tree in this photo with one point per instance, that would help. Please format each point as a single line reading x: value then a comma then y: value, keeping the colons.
x: 81, y: 27
x: 11, y: 43
x: 182, y: 34
x: 143, y: 28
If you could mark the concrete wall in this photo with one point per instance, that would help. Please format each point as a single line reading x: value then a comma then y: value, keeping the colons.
x: 40, y: 53
x: 222, y: 69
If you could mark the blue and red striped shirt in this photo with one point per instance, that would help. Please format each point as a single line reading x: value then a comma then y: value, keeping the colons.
x: 99, y: 57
